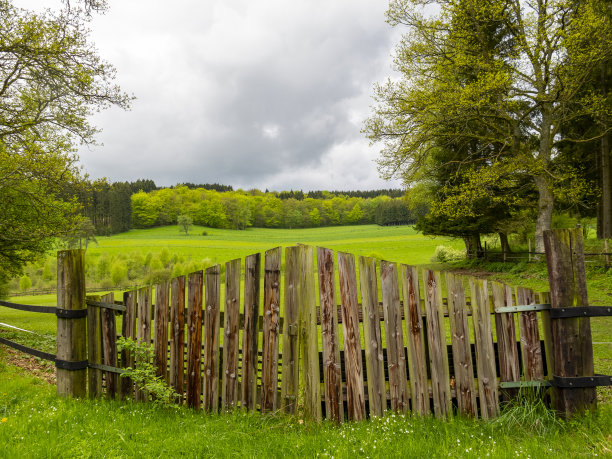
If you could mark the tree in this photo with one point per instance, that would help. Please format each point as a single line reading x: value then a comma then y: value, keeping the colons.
x: 82, y: 234
x: 519, y: 86
x: 51, y: 81
x: 185, y: 223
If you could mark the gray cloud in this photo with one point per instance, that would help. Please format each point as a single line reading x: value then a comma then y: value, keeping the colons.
x: 268, y: 94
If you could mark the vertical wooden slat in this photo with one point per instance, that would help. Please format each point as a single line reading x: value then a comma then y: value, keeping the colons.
x: 531, y: 350
x: 485, y: 355
x: 417, y: 363
x: 211, y: 339
x: 352, y: 341
x: 375, y: 369
x: 509, y: 368
x: 438, y: 358
x: 94, y: 347
x: 109, y: 345
x: 143, y: 331
x: 195, y: 286
x: 290, y: 367
x: 460, y: 338
x: 229, y: 383
x: 271, y: 323
x: 160, y: 335
x: 177, y: 334
x: 396, y: 357
x: 128, y: 330
x: 329, y: 333
x: 544, y: 298
x: 250, y: 335
x: 307, y: 332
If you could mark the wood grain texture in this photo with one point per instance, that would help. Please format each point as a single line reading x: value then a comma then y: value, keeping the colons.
x: 372, y: 337
x: 355, y: 395
x: 160, y: 334
x: 531, y: 350
x: 485, y: 355
x: 271, y: 329
x: 544, y: 298
x: 509, y: 366
x: 307, y: 333
x: 332, y: 374
x: 417, y: 363
x: 231, y: 321
x: 143, y: 329
x: 195, y: 287
x: 460, y: 340
x: 436, y: 338
x: 396, y: 356
x: 177, y: 335
x: 250, y: 334
x: 290, y: 367
x: 211, y: 339
x: 71, y: 335
x: 109, y: 346
x: 94, y: 347
x: 571, y: 338
x: 128, y: 330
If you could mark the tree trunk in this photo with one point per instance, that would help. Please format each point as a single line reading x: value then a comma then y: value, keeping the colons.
x: 604, y: 214
x: 545, y: 211
x: 473, y: 246
x: 503, y: 240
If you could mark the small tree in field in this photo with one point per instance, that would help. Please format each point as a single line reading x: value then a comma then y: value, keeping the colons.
x: 185, y: 222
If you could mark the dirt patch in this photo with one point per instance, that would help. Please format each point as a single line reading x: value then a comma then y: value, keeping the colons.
x: 38, y: 368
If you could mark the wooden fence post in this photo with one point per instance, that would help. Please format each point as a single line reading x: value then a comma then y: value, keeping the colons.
x: 571, y: 338
x: 71, y: 332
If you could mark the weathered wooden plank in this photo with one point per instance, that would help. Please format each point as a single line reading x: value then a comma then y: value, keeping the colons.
x: 94, y: 347
x: 271, y: 324
x: 160, y: 333
x: 250, y: 334
x: 290, y: 367
x: 143, y: 330
x: 571, y: 338
x: 329, y: 334
x: 417, y: 363
x: 211, y: 339
x: 109, y: 345
x: 544, y: 298
x: 396, y: 357
x: 485, y: 355
x: 460, y: 340
x: 509, y: 367
x: 355, y: 394
x: 195, y: 287
x: 71, y: 333
x: 128, y: 330
x: 375, y: 369
x: 531, y: 350
x: 307, y: 333
x: 229, y: 382
x: 436, y: 338
x: 177, y: 335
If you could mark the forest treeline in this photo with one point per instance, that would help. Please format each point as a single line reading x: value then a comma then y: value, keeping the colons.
x: 117, y: 207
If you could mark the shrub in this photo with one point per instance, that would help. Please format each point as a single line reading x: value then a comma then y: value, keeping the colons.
x: 25, y: 283
x: 444, y: 254
x: 118, y: 273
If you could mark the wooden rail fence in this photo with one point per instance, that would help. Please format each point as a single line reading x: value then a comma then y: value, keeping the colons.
x: 340, y: 338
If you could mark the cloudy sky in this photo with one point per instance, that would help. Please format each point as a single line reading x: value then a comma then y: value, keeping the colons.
x: 254, y: 94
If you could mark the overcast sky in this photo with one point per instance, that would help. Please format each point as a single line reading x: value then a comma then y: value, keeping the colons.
x: 254, y: 94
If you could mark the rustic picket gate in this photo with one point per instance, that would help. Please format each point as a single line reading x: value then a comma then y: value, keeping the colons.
x: 393, y: 343
x: 413, y: 350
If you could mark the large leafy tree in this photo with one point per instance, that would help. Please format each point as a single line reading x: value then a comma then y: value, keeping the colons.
x: 51, y: 81
x: 515, y: 100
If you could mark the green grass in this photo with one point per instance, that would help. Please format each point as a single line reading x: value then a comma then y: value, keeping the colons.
x: 36, y: 423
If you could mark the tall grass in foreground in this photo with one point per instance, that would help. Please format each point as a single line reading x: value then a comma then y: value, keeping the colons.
x: 35, y: 423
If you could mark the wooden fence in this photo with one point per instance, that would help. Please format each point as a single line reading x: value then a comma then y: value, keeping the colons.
x: 341, y: 338
x: 395, y: 342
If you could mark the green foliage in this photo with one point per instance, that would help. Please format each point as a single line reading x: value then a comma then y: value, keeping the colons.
x: 118, y: 273
x: 185, y: 222
x: 144, y: 375
x: 25, y: 283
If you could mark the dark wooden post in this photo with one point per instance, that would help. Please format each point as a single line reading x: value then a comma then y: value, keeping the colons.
x: 571, y: 338
x: 71, y: 332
